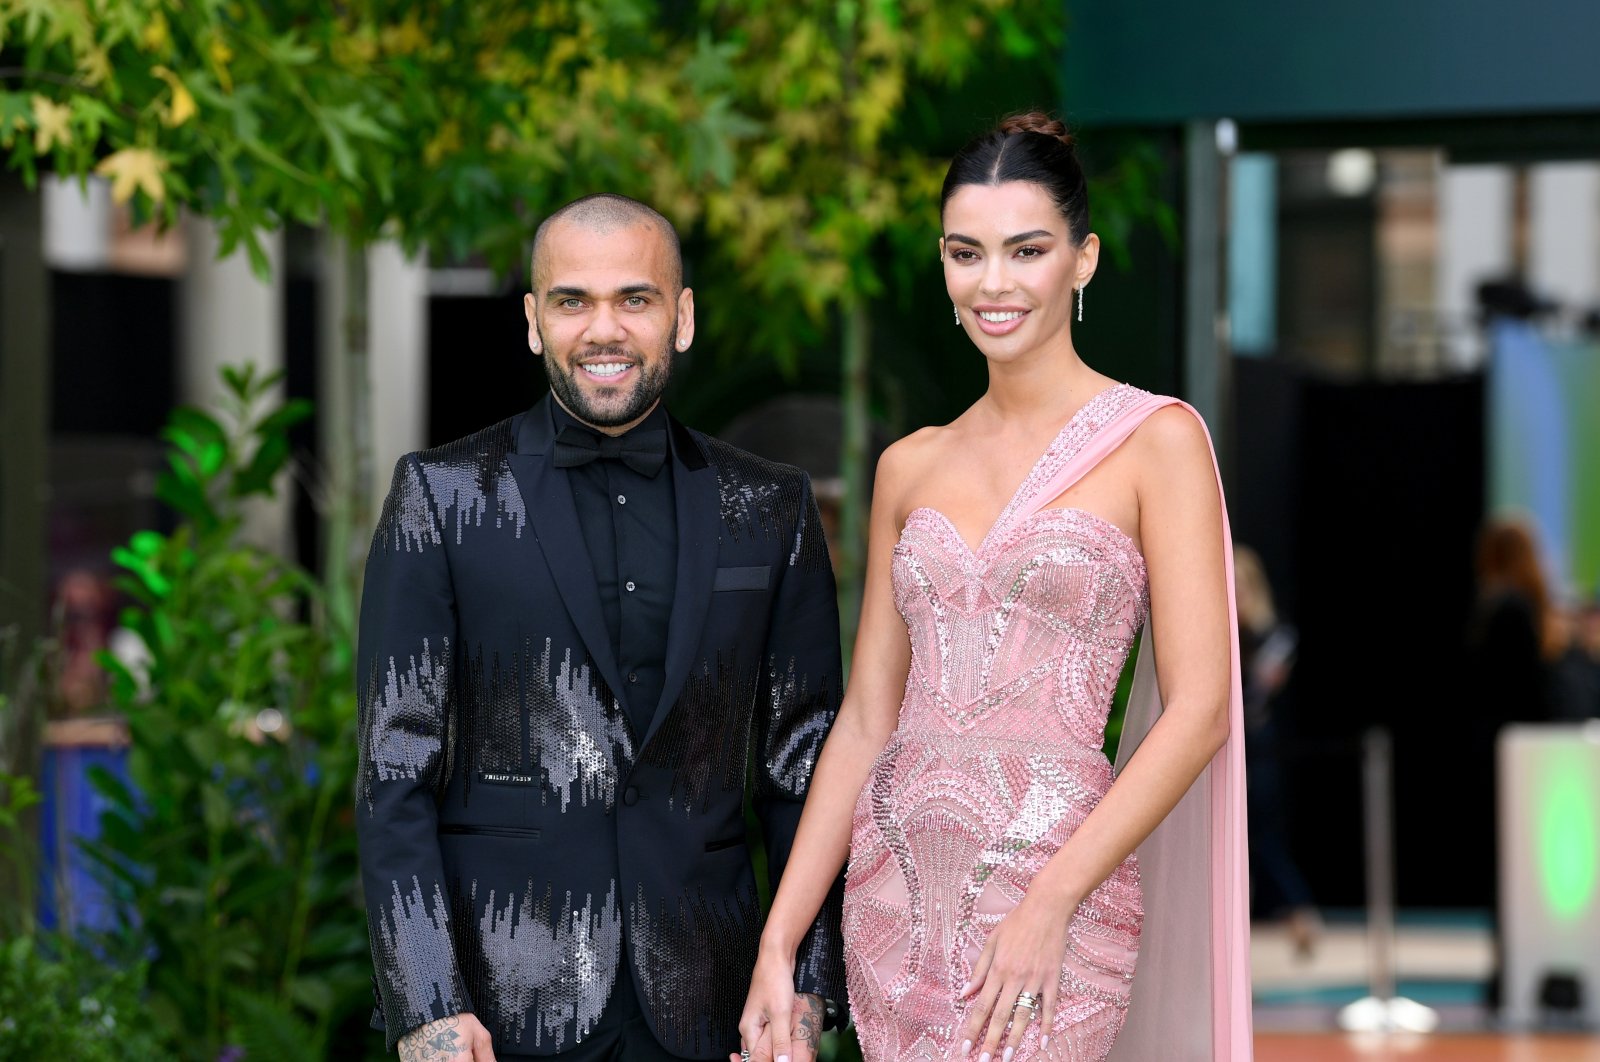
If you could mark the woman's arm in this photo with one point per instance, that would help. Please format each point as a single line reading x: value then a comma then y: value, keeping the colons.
x: 1180, y: 531
x: 867, y: 717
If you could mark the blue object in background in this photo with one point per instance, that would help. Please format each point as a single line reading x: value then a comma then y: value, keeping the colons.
x: 1530, y: 438
x: 1253, y: 255
x: 70, y: 896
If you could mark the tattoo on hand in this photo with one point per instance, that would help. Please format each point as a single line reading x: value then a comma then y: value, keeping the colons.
x: 808, y: 1021
x: 434, y: 1042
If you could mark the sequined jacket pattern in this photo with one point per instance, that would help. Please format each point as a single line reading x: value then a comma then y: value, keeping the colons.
x: 522, y: 847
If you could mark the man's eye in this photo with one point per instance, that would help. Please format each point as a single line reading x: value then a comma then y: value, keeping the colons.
x: 570, y: 304
x: 635, y: 301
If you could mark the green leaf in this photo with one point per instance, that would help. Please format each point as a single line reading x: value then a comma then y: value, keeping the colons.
x: 286, y: 416
x: 215, y: 807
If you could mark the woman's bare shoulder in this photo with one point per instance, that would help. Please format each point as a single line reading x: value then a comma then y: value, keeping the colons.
x: 909, y: 455
x: 1174, y: 449
x: 906, y: 464
x: 1174, y: 430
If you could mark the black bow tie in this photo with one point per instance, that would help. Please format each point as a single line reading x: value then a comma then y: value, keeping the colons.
x: 643, y: 451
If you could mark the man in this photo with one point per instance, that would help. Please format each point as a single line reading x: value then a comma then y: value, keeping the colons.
x: 583, y: 630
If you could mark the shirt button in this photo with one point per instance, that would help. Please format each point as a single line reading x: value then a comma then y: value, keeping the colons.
x: 633, y: 676
x: 622, y: 499
x: 630, y: 796
x: 630, y: 586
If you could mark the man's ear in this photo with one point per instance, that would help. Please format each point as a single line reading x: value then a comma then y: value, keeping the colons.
x: 685, y: 334
x: 530, y: 308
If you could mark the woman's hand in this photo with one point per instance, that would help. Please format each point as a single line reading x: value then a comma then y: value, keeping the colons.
x: 764, y: 1028
x: 1023, y: 955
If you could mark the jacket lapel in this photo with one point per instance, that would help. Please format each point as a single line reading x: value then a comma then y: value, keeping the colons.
x: 547, y: 497
x: 699, y: 508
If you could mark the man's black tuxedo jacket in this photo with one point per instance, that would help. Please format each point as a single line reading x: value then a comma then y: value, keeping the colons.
x: 522, y: 848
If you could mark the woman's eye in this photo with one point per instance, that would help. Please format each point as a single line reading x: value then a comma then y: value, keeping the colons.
x: 963, y: 255
x: 1030, y: 252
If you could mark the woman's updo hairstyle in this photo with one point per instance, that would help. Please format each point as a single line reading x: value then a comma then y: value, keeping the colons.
x: 1026, y: 147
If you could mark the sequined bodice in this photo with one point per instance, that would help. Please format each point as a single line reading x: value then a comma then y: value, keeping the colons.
x: 1016, y: 649
x: 1023, y: 639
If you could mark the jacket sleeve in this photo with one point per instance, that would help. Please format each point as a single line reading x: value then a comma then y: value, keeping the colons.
x: 405, y: 692
x: 801, y: 684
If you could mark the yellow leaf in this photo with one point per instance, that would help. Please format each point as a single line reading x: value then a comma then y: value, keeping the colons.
x: 95, y: 65
x: 134, y: 169
x: 447, y: 141
x: 51, y: 124
x: 405, y: 38
x: 157, y: 34
x: 183, y: 106
x: 355, y: 49
x: 221, y: 55
x: 501, y: 139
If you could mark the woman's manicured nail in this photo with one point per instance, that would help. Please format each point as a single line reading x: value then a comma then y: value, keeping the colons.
x: 966, y: 986
x: 984, y: 1057
x: 1007, y: 1056
x: 966, y: 1047
x: 1044, y: 1042
x: 783, y: 1058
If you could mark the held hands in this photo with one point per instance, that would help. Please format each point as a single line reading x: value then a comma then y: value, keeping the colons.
x: 458, y: 1038
x: 1020, y: 965
x: 772, y: 993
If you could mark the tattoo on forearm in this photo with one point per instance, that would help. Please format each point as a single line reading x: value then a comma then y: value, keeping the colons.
x: 434, y: 1042
x: 808, y: 1021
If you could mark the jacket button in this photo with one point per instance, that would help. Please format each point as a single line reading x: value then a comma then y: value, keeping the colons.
x: 630, y: 796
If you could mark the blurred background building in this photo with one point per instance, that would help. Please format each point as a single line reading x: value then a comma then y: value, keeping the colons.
x: 1386, y: 302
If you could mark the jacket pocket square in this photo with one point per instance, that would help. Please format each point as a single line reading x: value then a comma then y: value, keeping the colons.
x: 751, y: 578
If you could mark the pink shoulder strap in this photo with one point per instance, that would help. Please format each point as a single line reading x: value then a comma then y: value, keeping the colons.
x: 1107, y: 437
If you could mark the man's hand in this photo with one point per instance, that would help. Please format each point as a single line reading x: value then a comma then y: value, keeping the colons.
x: 458, y: 1038
x: 807, y: 1035
x: 799, y: 1042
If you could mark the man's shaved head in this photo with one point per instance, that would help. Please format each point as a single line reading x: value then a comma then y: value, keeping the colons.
x: 607, y: 212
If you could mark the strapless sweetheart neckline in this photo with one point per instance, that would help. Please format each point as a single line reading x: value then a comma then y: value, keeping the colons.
x: 1093, y: 517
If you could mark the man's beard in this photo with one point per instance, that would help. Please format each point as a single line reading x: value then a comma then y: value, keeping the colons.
x: 647, y: 389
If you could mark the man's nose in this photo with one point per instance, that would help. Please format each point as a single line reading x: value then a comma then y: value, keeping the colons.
x: 606, y: 326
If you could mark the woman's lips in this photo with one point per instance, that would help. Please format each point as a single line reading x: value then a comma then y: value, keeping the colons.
x: 1001, y: 328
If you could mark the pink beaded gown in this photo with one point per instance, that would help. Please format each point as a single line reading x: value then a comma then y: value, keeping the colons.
x: 1016, y: 649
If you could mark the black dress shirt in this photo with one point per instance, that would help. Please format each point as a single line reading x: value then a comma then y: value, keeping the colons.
x: 629, y: 523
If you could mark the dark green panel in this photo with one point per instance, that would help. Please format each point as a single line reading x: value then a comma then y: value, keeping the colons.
x: 1163, y: 61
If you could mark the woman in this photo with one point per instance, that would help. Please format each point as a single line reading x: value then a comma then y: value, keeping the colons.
x: 993, y: 905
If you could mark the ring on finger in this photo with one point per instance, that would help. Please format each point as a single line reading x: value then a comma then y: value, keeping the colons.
x: 1028, y: 1000
x: 744, y: 1054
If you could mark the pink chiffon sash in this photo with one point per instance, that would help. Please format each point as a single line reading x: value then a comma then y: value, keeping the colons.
x: 1191, y: 992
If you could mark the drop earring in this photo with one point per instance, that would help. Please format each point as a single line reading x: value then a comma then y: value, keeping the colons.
x: 1080, y: 302
x: 957, y: 310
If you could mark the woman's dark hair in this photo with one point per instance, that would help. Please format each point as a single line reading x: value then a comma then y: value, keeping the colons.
x: 1026, y: 147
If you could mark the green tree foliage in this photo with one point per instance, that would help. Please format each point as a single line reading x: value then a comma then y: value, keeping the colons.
x: 230, y: 856
x: 840, y: 181
x: 451, y: 125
